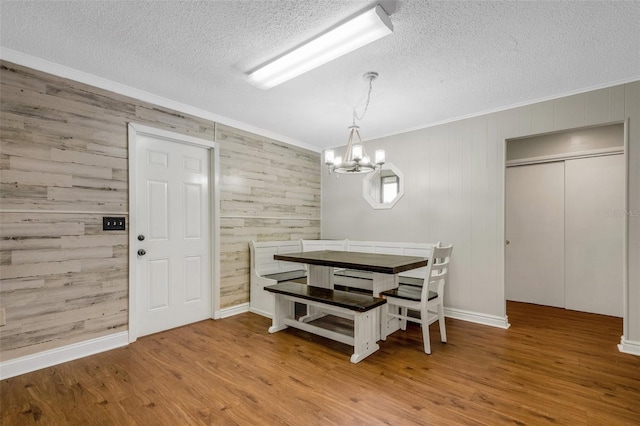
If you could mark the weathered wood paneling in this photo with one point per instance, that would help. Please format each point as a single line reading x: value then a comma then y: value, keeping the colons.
x: 269, y: 191
x: 63, y: 155
x: 66, y: 142
x: 64, y: 149
x: 59, y: 281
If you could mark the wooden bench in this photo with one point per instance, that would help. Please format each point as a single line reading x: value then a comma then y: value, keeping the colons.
x: 362, y: 309
x: 266, y: 271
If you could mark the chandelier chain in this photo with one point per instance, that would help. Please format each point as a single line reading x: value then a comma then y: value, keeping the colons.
x: 366, y: 106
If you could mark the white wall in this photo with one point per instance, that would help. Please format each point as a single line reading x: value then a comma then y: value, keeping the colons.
x: 454, y: 192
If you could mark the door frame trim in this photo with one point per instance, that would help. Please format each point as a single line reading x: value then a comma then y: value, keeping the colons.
x: 502, y: 222
x: 135, y: 129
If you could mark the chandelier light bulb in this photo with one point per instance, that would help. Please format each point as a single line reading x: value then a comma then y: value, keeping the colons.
x: 357, y: 152
x: 329, y: 156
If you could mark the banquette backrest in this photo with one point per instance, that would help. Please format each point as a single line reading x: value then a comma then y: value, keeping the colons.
x: 262, y: 261
x: 402, y: 249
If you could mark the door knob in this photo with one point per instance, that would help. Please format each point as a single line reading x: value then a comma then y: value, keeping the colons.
x: 141, y: 252
x: 508, y: 242
x: 140, y: 237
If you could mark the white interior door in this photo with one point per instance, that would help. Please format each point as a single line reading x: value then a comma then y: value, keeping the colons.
x: 594, y: 209
x: 534, y: 256
x: 173, y: 272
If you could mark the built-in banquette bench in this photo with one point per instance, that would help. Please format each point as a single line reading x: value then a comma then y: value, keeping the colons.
x: 362, y: 309
x: 266, y: 271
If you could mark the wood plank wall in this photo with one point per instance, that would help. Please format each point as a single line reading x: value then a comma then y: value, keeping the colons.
x: 269, y: 191
x: 64, y: 164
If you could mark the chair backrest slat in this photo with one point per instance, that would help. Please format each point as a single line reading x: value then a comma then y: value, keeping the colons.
x: 437, y: 270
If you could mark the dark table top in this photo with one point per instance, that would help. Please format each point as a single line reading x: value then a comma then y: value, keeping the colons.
x: 374, y: 262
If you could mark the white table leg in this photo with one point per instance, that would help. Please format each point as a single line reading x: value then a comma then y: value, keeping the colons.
x: 319, y: 276
x: 382, y: 282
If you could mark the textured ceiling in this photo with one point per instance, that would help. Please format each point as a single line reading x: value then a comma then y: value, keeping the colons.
x: 444, y: 60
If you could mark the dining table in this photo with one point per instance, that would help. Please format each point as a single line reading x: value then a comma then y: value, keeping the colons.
x: 385, y: 268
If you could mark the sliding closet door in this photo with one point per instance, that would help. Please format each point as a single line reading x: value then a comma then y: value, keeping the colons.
x: 534, y: 270
x: 594, y: 226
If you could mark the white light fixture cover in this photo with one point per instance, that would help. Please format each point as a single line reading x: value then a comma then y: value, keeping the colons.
x: 361, y: 30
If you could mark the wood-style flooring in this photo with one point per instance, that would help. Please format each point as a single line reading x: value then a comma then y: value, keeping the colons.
x: 553, y: 366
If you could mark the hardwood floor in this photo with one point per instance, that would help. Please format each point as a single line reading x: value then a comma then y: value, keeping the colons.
x: 552, y: 366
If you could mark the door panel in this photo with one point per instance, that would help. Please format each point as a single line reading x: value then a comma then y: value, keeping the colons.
x: 534, y: 269
x: 157, y: 213
x: 594, y: 234
x: 172, y: 212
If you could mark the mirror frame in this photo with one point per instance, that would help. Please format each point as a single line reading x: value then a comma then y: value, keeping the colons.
x: 366, y: 187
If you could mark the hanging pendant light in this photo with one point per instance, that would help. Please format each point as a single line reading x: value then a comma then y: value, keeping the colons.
x: 355, y: 160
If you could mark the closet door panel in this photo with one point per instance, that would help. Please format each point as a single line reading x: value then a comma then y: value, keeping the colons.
x: 594, y: 227
x: 534, y: 270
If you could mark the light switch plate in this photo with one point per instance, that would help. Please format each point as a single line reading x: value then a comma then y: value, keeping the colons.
x: 113, y: 223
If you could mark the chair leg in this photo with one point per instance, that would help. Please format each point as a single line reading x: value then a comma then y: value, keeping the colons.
x: 424, y: 318
x: 403, y: 321
x: 443, y: 329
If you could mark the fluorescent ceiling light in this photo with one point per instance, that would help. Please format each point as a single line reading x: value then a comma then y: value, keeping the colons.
x: 361, y: 30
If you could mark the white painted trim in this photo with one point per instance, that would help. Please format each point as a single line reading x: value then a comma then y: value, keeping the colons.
x: 631, y: 347
x: 98, y: 213
x: 134, y: 130
x: 230, y: 216
x: 478, y: 317
x: 214, y: 213
x: 231, y: 311
x: 29, y: 363
x: 475, y: 317
x: 625, y: 239
x: 261, y: 312
x: 102, y: 83
x: 132, y: 159
x: 141, y: 129
x: 505, y: 108
x: 566, y: 156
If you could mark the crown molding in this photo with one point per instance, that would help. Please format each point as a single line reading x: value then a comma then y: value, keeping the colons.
x: 63, y: 71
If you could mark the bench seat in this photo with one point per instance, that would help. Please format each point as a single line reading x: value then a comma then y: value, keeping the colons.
x: 287, y: 276
x: 362, y: 309
x: 353, y: 301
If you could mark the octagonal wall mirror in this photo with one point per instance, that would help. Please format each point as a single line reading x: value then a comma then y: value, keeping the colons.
x: 383, y: 188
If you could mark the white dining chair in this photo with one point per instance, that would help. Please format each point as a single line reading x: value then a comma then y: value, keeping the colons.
x: 428, y: 299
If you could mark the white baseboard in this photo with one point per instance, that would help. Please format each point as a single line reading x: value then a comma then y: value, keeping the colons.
x: 231, y: 311
x: 29, y: 363
x: 477, y: 317
x: 261, y: 312
x: 629, y: 346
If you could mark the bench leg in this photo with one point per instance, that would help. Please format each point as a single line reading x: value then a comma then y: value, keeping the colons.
x: 366, y: 327
x: 283, y: 309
